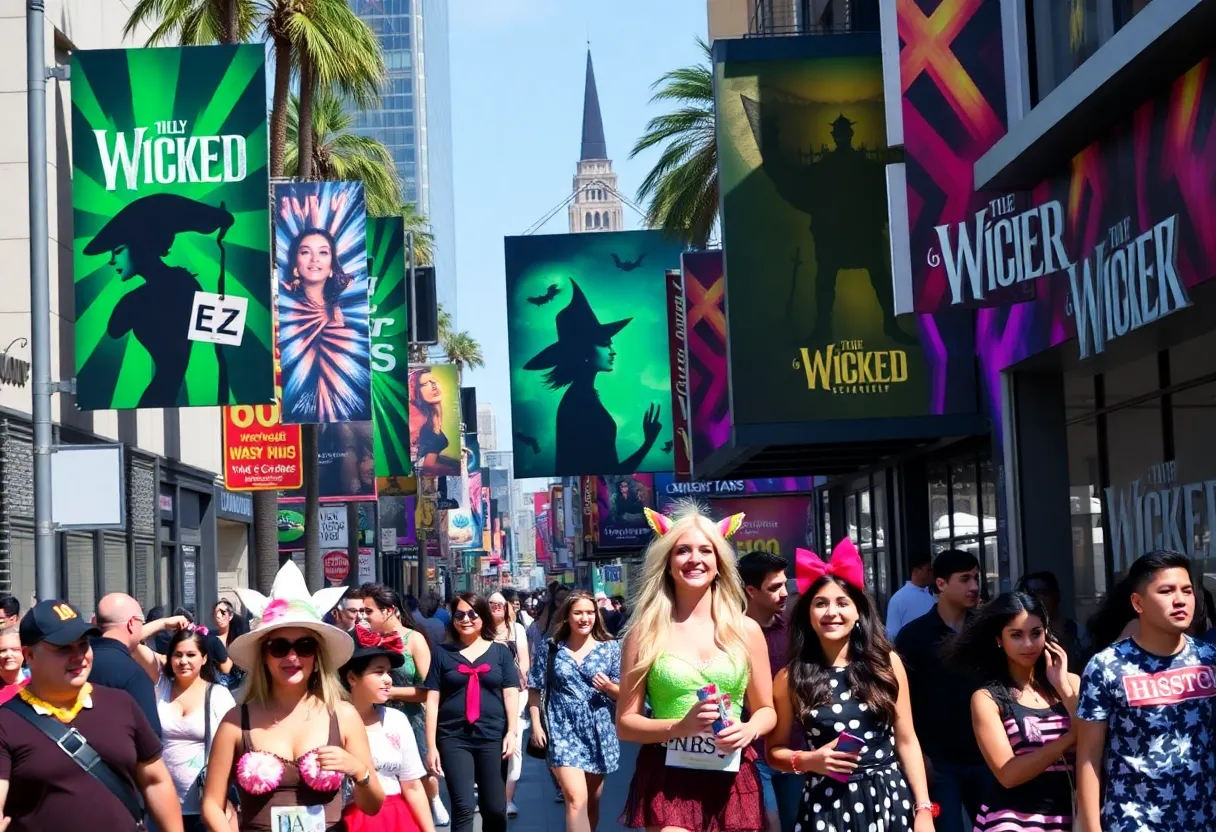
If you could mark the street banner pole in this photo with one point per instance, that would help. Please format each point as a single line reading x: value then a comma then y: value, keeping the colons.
x: 46, y: 567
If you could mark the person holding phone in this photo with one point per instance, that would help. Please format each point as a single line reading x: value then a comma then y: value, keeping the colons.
x: 847, y: 688
x: 1023, y: 714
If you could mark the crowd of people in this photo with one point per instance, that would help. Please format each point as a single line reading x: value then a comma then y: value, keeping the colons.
x: 754, y: 708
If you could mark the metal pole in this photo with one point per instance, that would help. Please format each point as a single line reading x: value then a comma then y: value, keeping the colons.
x: 45, y: 560
x: 409, y: 241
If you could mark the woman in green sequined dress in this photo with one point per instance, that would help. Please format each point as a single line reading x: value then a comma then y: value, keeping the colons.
x: 688, y: 631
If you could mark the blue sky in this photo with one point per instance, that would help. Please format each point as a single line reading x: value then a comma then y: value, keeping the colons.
x: 518, y: 69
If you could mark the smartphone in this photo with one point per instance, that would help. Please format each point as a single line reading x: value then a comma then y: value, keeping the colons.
x: 848, y: 744
x: 723, y: 706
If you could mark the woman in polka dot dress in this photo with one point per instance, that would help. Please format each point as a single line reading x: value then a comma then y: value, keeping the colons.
x: 844, y: 679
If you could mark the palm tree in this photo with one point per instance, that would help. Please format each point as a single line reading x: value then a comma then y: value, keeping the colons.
x: 424, y: 241
x: 462, y: 349
x: 193, y: 22
x: 339, y: 155
x: 681, y: 190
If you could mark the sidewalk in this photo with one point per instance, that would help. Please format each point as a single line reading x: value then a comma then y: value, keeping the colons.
x: 539, y: 813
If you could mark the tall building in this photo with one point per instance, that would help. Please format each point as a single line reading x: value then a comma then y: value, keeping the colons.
x: 186, y: 539
x: 487, y: 428
x: 597, y: 203
x: 414, y: 118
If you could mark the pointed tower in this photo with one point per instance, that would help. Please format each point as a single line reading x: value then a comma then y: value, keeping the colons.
x: 596, y: 206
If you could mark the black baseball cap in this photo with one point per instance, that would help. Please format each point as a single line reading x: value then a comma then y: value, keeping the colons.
x: 55, y: 622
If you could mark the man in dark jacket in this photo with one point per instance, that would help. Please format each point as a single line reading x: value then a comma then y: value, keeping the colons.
x: 121, y: 621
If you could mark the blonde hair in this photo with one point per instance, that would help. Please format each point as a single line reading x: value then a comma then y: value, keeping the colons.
x: 654, y: 603
x: 323, y: 685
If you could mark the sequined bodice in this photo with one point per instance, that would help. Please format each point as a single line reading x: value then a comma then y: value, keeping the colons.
x: 673, y: 682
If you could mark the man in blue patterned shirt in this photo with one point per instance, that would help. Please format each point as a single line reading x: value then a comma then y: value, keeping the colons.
x: 1152, y: 697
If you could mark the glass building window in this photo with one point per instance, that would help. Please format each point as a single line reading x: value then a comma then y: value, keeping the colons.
x: 962, y: 503
x: 22, y: 572
x: 1068, y: 32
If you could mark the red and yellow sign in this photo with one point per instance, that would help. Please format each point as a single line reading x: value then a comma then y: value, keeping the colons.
x: 260, y: 452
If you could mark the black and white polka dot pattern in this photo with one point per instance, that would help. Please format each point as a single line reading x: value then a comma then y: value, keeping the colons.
x: 876, y: 798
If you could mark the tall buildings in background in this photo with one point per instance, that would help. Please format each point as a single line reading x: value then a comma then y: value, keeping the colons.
x: 487, y: 428
x: 414, y: 119
x: 597, y: 203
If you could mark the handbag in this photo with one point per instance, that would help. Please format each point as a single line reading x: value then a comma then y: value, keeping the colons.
x: 201, y: 780
x: 73, y: 743
x: 533, y: 749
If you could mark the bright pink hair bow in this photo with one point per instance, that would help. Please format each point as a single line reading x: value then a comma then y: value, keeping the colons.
x: 844, y: 564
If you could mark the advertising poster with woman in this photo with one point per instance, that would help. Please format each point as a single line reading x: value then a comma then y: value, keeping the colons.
x: 170, y: 226
x: 435, y: 442
x: 621, y: 514
x: 590, y: 377
x: 321, y: 265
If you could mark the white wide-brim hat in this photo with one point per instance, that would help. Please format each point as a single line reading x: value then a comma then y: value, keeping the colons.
x: 291, y: 605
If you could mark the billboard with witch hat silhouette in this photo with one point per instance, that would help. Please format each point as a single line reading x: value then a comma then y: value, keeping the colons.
x: 172, y: 229
x: 587, y: 330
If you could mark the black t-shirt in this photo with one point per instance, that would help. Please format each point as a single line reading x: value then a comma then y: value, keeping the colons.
x: 940, y: 697
x: 445, y: 676
x: 47, y: 790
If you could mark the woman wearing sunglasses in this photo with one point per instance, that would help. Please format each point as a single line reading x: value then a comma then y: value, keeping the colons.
x: 293, y: 739
x: 472, y: 713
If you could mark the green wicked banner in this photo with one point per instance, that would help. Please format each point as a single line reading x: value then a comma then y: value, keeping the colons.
x: 170, y: 198
x: 802, y: 158
x: 590, y: 376
x: 390, y: 345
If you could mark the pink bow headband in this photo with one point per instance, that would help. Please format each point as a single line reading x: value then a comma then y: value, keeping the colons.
x: 662, y: 524
x: 844, y: 564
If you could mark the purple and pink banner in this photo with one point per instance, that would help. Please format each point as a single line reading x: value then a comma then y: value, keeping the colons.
x: 540, y: 506
x: 705, y: 354
x: 775, y: 524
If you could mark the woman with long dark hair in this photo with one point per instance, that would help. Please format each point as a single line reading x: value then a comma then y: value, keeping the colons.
x: 585, y: 430
x: 228, y: 628
x: 472, y: 706
x: 845, y: 684
x: 427, y: 438
x: 582, y: 746
x: 1022, y: 715
x: 326, y: 359
x: 191, y: 706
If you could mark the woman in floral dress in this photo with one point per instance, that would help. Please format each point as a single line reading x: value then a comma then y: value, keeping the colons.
x: 578, y: 729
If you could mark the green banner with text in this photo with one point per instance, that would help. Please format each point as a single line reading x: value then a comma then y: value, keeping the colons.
x: 390, y: 345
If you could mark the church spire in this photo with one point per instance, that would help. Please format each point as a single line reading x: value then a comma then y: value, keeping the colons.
x: 594, y: 146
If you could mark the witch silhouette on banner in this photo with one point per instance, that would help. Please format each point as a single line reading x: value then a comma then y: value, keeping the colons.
x: 586, y: 431
x: 158, y: 313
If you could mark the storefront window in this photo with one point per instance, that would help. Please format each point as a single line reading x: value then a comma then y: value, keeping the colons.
x: 115, y: 559
x: 1134, y: 437
x: 1194, y: 475
x: 1089, y: 565
x: 21, y: 566
x: 960, y: 493
x: 878, y: 512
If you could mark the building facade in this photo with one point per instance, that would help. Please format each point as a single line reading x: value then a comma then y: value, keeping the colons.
x: 414, y: 117
x: 1094, y: 369
x: 185, y: 537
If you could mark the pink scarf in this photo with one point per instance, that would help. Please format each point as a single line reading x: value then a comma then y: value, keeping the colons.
x: 472, y: 697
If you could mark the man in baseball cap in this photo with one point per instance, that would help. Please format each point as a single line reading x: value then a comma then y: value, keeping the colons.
x: 44, y: 783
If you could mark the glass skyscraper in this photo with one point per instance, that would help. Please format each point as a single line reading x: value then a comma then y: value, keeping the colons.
x: 414, y: 118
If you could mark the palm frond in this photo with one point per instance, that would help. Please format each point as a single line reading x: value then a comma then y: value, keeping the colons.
x: 680, y: 192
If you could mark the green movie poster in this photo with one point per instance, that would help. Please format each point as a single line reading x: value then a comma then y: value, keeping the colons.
x: 590, y: 377
x: 390, y: 345
x: 802, y: 158
x: 170, y: 198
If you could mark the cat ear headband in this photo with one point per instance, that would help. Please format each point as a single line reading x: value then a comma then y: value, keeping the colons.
x: 662, y: 524
x: 845, y: 564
